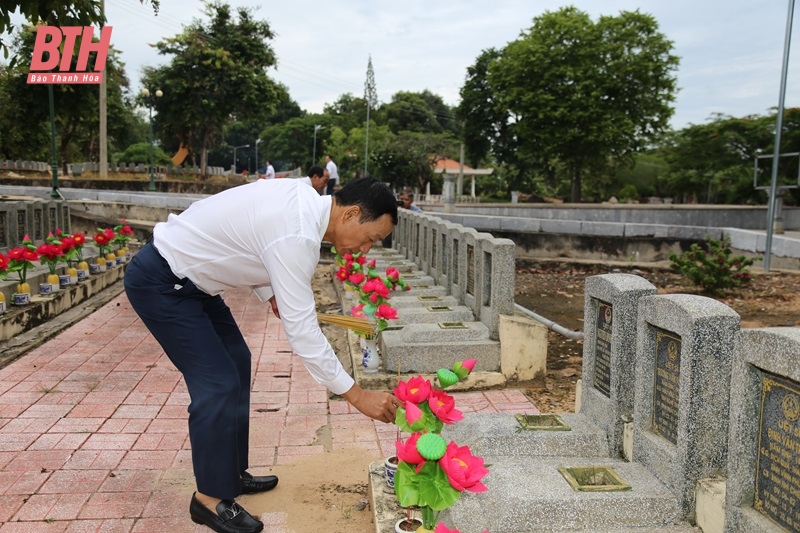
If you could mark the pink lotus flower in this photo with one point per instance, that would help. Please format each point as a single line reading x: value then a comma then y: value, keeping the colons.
x: 356, y: 278
x: 464, y: 470
x: 444, y: 407
x: 386, y: 311
x: 372, y: 263
x: 407, y: 451
x: 392, y: 273
x: 441, y: 528
x: 413, y: 413
x: 342, y: 274
x: 416, y: 390
x: 469, y: 364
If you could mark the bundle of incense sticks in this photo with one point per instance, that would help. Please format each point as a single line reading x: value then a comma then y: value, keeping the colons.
x: 358, y: 324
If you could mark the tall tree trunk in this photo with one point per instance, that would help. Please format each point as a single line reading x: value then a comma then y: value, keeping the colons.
x: 575, y: 193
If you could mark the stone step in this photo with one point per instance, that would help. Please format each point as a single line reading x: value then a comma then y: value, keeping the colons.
x: 401, y: 301
x: 543, y: 514
x: 425, y: 348
x: 500, y: 435
x: 433, y: 313
x: 530, y: 494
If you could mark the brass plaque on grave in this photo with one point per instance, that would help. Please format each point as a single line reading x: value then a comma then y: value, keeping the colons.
x: 453, y: 325
x: 429, y: 298
x: 439, y: 308
x: 666, y: 389
x: 602, y: 348
x: 470, y: 270
x: 777, y: 490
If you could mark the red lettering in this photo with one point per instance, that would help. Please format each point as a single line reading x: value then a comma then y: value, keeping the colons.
x: 42, y: 45
x: 70, y: 34
x: 101, y: 47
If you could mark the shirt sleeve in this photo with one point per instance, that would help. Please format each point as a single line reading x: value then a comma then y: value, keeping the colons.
x: 291, y: 263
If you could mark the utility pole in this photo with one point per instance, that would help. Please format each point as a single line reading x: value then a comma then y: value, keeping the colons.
x: 371, y: 96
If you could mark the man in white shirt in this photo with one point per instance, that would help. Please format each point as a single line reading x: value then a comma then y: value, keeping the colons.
x: 317, y: 178
x: 270, y: 172
x: 333, y: 171
x: 265, y: 235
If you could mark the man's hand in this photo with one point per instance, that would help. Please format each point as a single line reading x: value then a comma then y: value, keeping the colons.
x: 274, y: 306
x: 378, y: 405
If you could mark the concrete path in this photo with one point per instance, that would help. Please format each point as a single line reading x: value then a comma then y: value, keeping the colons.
x: 93, y: 432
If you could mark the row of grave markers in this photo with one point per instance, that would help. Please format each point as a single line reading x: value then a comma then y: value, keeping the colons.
x: 75, y: 169
x: 33, y: 218
x: 705, y: 399
x: 475, y: 268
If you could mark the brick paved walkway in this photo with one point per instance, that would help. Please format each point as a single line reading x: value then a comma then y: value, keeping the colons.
x: 93, y: 433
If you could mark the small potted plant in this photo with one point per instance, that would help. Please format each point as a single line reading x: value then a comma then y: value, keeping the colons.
x: 50, y: 253
x: 123, y: 233
x: 102, y: 239
x: 81, y: 266
x: 20, y: 260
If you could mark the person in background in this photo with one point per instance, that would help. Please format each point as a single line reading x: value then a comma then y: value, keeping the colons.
x: 333, y: 172
x: 270, y: 172
x: 407, y: 201
x: 265, y: 235
x: 317, y: 178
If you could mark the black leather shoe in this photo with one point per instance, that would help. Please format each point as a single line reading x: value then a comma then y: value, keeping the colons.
x: 229, y: 518
x: 252, y: 484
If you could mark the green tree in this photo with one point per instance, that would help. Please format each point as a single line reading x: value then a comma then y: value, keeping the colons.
x: 53, y: 13
x: 422, y: 112
x: 25, y: 113
x: 218, y: 74
x: 574, y: 92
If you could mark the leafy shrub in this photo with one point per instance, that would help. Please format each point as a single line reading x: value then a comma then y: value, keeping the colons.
x: 712, y: 267
x: 628, y: 193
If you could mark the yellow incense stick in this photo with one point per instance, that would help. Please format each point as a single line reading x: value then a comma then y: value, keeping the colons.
x: 357, y: 324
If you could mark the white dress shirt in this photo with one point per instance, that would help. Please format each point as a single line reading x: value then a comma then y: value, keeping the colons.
x: 333, y: 171
x: 269, y: 173
x: 265, y: 235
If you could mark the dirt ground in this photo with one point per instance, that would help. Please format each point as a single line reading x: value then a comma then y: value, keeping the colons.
x: 554, y: 290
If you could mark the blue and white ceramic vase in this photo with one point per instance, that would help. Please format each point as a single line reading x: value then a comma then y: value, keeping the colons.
x: 370, y: 363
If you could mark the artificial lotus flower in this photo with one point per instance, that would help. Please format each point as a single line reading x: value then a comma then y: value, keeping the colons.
x: 407, y: 451
x: 413, y: 413
x: 386, y: 311
x: 441, y: 528
x: 464, y: 470
x: 415, y: 390
x: 444, y: 407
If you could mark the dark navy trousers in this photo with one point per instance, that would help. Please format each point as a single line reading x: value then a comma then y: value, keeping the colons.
x: 201, y: 338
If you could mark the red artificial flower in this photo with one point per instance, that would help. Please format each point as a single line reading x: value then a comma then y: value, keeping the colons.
x: 49, y: 251
x: 392, y: 273
x: 342, y: 274
x: 15, y: 254
x: 100, y: 239
x: 464, y: 470
x: 372, y: 263
x: 386, y: 311
x: 441, y: 528
x: 413, y: 413
x: 407, y: 451
x: 376, y: 285
x: 109, y: 233
x: 67, y: 243
x: 416, y: 390
x: 58, y: 231
x: 444, y: 407
x: 3, y: 262
x: 30, y: 255
x: 79, y: 238
x: 356, y: 278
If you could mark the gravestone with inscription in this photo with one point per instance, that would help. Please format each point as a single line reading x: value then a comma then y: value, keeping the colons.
x: 684, y: 348
x: 610, y: 307
x: 763, y: 489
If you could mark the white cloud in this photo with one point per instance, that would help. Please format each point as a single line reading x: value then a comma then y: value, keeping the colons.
x: 731, y: 51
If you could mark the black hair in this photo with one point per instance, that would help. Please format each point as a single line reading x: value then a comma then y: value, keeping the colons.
x: 373, y: 197
x: 317, y: 171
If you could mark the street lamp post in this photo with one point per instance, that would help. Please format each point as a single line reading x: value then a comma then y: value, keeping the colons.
x: 257, y: 141
x: 147, y: 96
x: 233, y: 168
x: 314, y: 151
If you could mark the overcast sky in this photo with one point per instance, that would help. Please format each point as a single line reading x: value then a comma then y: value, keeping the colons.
x: 731, y: 50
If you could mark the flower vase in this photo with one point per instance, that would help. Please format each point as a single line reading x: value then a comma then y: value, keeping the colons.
x: 127, y: 254
x: 120, y: 256
x: 405, y: 525
x: 23, y: 294
x: 389, y: 470
x: 54, y: 281
x: 370, y: 362
x: 100, y: 266
x: 83, y: 271
x: 71, y: 275
x: 111, y: 259
x: 2, y: 303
